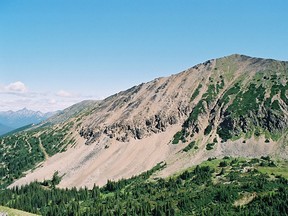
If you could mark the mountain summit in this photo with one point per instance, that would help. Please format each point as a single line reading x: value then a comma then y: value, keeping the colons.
x: 231, y: 106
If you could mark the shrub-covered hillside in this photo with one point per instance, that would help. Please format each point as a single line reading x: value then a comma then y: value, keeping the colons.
x: 231, y: 186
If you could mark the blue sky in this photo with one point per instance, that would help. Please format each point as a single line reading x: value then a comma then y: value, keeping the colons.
x: 54, y: 53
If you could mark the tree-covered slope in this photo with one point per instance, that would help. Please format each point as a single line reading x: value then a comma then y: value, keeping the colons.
x: 23, y: 151
x: 228, y: 186
x: 27, y: 148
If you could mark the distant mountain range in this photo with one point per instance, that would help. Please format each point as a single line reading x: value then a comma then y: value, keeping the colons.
x: 11, y: 120
x: 4, y: 129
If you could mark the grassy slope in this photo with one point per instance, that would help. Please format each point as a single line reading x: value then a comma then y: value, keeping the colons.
x: 280, y: 170
x: 14, y: 212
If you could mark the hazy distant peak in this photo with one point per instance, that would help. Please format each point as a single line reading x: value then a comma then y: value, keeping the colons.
x: 15, y: 119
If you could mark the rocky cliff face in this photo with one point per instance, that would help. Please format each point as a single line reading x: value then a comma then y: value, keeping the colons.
x: 145, y: 109
x: 233, y: 96
x: 236, y: 105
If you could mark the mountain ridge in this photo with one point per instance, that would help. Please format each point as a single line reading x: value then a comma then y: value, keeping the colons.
x: 22, y: 117
x: 230, y: 106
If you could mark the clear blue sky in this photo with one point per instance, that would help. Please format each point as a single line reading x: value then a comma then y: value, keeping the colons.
x: 57, y: 52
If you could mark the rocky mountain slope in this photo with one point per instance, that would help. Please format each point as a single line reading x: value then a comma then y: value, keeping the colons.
x: 235, y: 105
